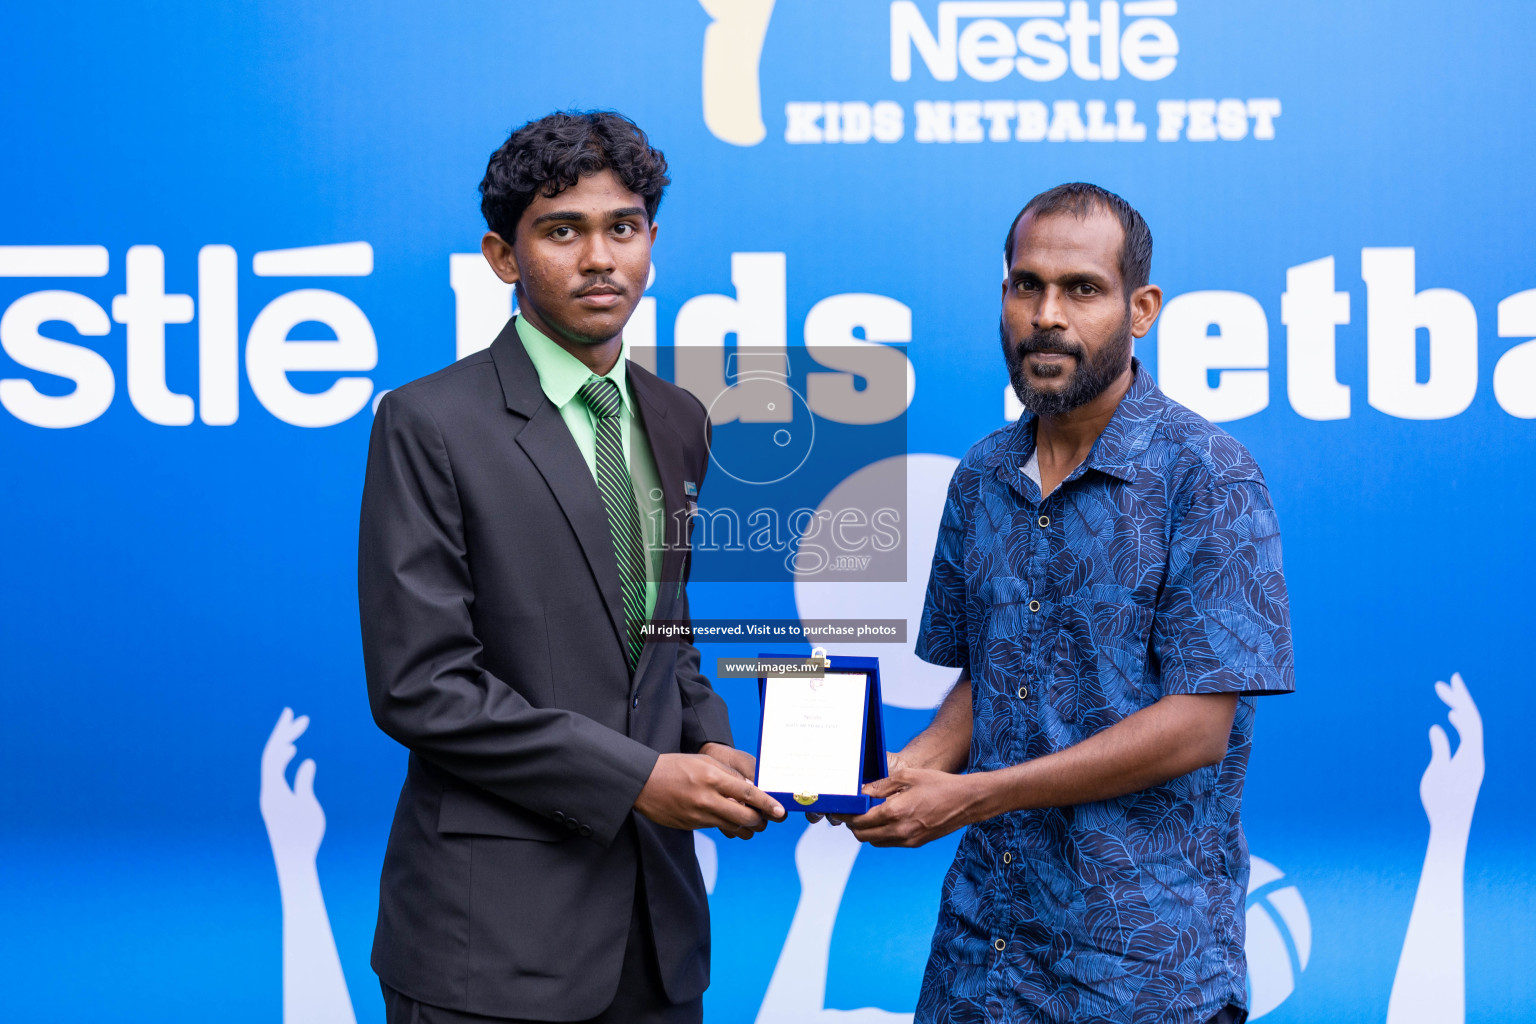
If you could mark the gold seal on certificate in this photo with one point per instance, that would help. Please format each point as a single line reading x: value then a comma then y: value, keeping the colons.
x: 822, y: 736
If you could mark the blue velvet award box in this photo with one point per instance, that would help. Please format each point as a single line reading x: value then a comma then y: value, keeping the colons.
x: 822, y: 739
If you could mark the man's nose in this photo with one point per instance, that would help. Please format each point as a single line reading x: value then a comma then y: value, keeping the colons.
x: 1051, y: 312
x: 597, y: 255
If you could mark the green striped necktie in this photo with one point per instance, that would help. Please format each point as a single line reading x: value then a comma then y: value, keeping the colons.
x: 602, y: 398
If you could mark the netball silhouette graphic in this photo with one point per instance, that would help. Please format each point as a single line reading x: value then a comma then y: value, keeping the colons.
x: 1279, y: 937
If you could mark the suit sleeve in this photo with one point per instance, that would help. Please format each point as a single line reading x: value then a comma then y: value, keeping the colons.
x: 426, y: 684
x: 705, y: 718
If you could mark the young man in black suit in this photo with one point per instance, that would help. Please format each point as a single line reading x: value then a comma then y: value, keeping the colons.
x: 540, y: 865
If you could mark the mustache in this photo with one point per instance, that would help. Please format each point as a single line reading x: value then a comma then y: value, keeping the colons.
x: 600, y: 286
x: 1048, y: 341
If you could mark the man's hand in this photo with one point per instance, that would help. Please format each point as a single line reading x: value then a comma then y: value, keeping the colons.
x: 892, y: 763
x: 738, y: 761
x: 743, y: 764
x: 921, y: 805
x: 695, y: 791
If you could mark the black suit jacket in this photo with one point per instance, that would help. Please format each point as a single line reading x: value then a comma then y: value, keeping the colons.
x: 493, y: 631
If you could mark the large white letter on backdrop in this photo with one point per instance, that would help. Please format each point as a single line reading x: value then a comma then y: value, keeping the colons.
x: 270, y: 357
x: 218, y: 335
x: 889, y: 381
x: 756, y: 316
x: 482, y: 302
x: 1514, y: 378
x: 1186, y: 352
x: 91, y: 373
x: 145, y: 309
x: 1311, y: 311
x: 1395, y: 312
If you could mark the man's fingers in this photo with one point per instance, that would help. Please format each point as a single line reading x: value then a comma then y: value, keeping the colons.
x: 875, y: 836
x: 875, y: 817
x: 762, y: 802
x: 736, y: 803
x: 734, y: 769
x: 885, y: 837
x: 733, y: 814
x: 885, y: 787
x: 878, y: 828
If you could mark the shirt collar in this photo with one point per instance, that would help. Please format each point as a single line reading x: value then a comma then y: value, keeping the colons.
x: 1116, y: 450
x: 1131, y: 428
x: 561, y: 374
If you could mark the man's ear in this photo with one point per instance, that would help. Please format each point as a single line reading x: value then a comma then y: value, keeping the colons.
x: 653, y: 234
x: 1146, y: 303
x: 499, y: 254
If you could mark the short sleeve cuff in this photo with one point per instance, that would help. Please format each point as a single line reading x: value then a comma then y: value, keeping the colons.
x: 1256, y: 680
x: 943, y: 651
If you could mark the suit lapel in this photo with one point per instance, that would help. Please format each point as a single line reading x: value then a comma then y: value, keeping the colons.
x: 667, y: 450
x: 550, y: 447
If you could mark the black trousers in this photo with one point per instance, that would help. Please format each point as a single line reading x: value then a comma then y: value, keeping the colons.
x: 641, y: 999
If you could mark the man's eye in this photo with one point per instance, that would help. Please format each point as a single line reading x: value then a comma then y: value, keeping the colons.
x: 1024, y: 286
x: 563, y: 232
x: 624, y: 230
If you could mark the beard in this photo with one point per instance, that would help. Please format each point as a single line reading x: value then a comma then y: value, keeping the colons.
x: 1091, y: 377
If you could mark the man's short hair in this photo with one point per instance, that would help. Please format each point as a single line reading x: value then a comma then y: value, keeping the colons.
x: 551, y: 154
x: 1079, y: 198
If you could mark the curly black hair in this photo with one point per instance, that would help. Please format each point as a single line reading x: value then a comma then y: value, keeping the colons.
x: 551, y: 154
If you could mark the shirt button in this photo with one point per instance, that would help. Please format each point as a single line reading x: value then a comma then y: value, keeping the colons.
x: 1007, y: 857
x: 999, y: 945
x: 1023, y: 692
x: 1045, y: 520
x: 1034, y: 606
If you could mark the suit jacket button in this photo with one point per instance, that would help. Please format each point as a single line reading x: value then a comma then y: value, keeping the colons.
x: 558, y: 816
x: 635, y: 703
x: 585, y: 830
x: 571, y: 824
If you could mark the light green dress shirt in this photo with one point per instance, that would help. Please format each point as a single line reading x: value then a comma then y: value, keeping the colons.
x: 561, y: 376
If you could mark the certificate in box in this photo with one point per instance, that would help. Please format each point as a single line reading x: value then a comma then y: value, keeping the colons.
x: 821, y: 740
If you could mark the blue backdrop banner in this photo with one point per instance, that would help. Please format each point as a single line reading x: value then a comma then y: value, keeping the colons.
x: 226, y: 229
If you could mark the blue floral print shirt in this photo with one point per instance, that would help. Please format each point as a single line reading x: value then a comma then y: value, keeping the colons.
x: 1153, y: 569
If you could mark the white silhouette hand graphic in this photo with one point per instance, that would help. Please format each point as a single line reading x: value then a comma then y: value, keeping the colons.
x: 797, y: 991
x: 824, y: 858
x: 1450, y: 783
x: 1430, y: 984
x: 314, y: 987
x: 295, y: 822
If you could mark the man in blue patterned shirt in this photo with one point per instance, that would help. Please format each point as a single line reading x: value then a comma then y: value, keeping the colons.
x: 1108, y: 580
